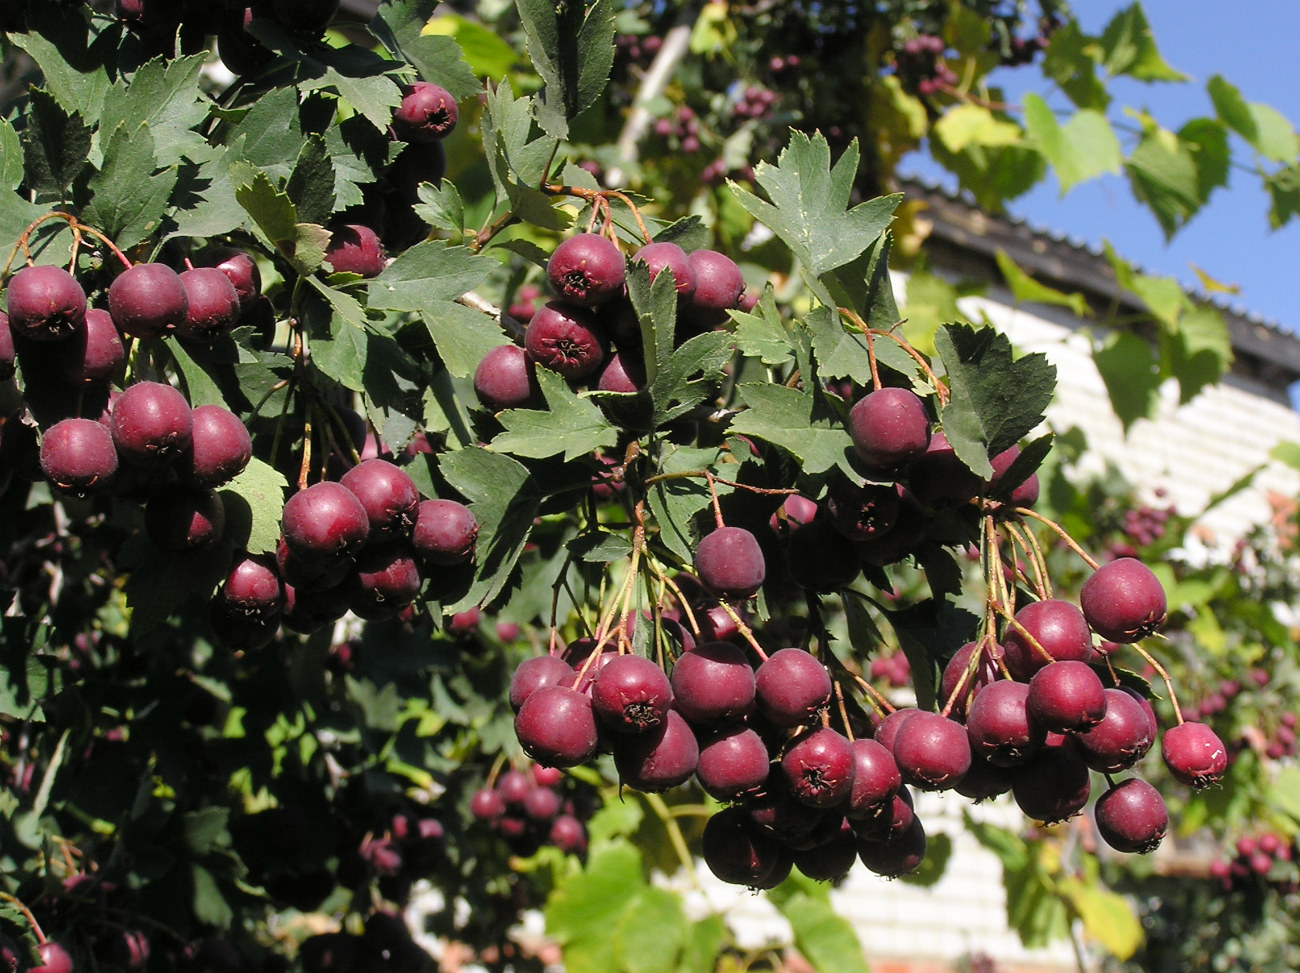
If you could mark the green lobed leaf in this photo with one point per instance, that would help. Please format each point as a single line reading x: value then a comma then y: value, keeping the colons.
x: 518, y: 158
x: 16, y: 212
x: 570, y: 424
x: 650, y: 934
x: 761, y: 333
x: 966, y: 124
x: 1107, y: 916
x: 254, y: 503
x: 435, y: 57
x: 585, y: 906
x: 827, y: 940
x: 429, y: 273
x: 74, y: 62
x: 1166, y: 176
x: 675, y: 502
x: 1199, y: 353
x: 1128, y: 47
x: 1025, y: 288
x: 798, y: 422
x: 841, y: 349
x: 494, y: 485
x: 342, y: 356
x: 1083, y: 148
x: 311, y: 186
x: 864, y: 285
x: 274, y: 218
x: 270, y: 133
x: 1070, y: 62
x: 996, y: 399
x: 1128, y: 368
x: 705, y: 940
x: 691, y: 375
x: 462, y: 336
x: 572, y: 48
x: 1283, y: 189
x: 165, y: 94
x: 209, y: 903
x: 56, y: 146
x: 809, y: 200
x: 656, y: 309
x: 442, y: 208
x: 129, y: 199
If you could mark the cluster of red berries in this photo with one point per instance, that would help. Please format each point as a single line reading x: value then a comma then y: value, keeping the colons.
x: 366, y: 543
x: 681, y: 130
x: 921, y: 67
x: 589, y: 332
x: 534, y: 806
x: 1267, y: 857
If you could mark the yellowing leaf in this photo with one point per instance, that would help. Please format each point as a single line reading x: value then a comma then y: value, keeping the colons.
x: 969, y: 124
x: 1107, y: 916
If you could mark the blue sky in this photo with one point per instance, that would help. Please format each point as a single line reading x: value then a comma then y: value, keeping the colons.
x: 1253, y: 44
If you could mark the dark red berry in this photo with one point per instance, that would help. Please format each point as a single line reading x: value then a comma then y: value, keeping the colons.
x: 663, y: 757
x: 819, y: 766
x: 889, y: 428
x: 791, y: 687
x: 1046, y: 631
x: 325, y: 520
x: 733, y: 762
x: 505, y: 379
x: 1065, y: 696
x: 1123, y: 601
x: 1194, y: 754
x: 355, y: 249
x: 729, y: 562
x: 77, y: 455
x: 660, y: 256
x: 428, y: 113
x: 999, y: 724
x: 566, y: 339
x: 181, y: 518
x: 1053, y: 785
x: 631, y: 694
x: 714, y: 683
x: 445, y: 532
x: 220, y: 448
x: 586, y: 270
x: 45, y: 303
x: 151, y: 423
x: 932, y: 751
x: 94, y: 353
x: 740, y: 853
x: 556, y: 726
x: 1131, y: 816
x: 719, y: 286
x: 147, y: 300
x: 212, y: 304
x: 387, y: 493
x: 536, y: 672
x: 1120, y: 739
x: 240, y: 269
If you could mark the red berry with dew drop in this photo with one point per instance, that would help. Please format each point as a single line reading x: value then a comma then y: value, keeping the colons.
x: 536, y: 672
x: 1194, y: 754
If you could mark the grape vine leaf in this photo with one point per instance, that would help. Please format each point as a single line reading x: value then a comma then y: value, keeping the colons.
x: 1083, y: 148
x: 1025, y: 288
x: 1128, y: 368
x: 649, y: 935
x: 586, y: 905
x: 572, y: 48
x: 570, y: 424
x: 996, y: 399
x: 1267, y: 130
x: 1128, y: 46
x: 797, y: 421
x: 809, y: 200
